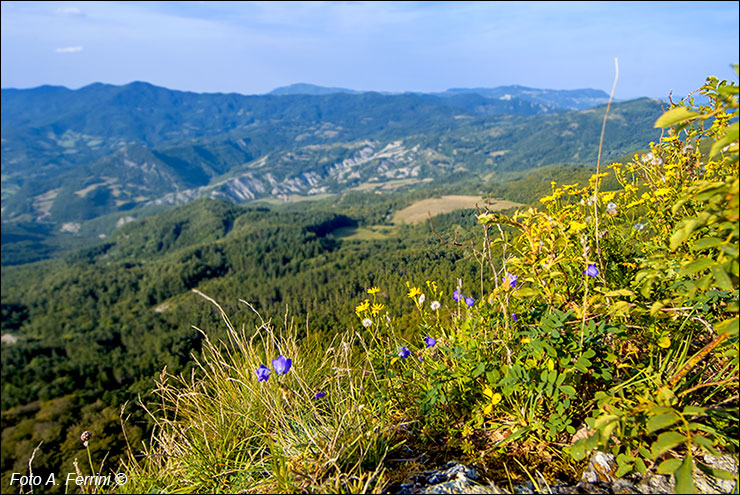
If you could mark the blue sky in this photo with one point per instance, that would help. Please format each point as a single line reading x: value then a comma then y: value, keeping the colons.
x: 253, y: 47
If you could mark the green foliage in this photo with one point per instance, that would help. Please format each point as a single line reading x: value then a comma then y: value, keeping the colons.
x: 612, y: 304
x: 625, y: 304
x: 689, y: 271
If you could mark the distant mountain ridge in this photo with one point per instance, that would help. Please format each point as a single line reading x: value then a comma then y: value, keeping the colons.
x: 310, y: 89
x: 69, y: 156
x: 552, y: 99
x: 571, y: 99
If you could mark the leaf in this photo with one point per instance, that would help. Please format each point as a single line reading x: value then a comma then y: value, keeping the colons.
x: 527, y: 292
x: 706, y: 443
x: 720, y: 276
x: 704, y: 282
x: 699, y: 265
x: 694, y: 411
x: 661, y: 421
x: 731, y: 250
x: 559, y: 382
x: 568, y: 390
x: 578, y: 450
x: 707, y: 243
x: 674, y: 116
x: 729, y: 90
x: 623, y: 469
x: 678, y: 238
x: 730, y: 137
x: 664, y: 342
x: 592, y: 442
x: 479, y: 370
x: 606, y: 432
x: 666, y: 441
x: 620, y: 308
x: 669, y: 466
x: 684, y: 476
x: 717, y: 473
x: 516, y: 435
x: 656, y: 307
x: 619, y: 292
x: 644, y: 452
x: 640, y: 465
x: 730, y: 326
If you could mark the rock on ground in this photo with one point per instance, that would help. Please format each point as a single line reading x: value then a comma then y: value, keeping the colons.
x: 598, y: 478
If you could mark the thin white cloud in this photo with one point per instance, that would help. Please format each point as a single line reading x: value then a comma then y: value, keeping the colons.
x: 69, y: 11
x: 69, y: 49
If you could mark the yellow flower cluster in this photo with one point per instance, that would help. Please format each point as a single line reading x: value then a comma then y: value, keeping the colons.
x: 362, y: 307
x: 376, y: 308
x: 365, y: 306
x: 413, y: 291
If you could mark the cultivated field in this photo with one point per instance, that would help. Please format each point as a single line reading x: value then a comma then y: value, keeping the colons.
x: 419, y: 211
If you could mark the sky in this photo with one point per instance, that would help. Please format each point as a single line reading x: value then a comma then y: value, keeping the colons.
x: 254, y: 47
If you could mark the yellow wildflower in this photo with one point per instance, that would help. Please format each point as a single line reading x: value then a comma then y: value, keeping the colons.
x: 577, y: 226
x: 373, y: 290
x: 413, y: 292
x: 526, y: 340
x: 377, y: 308
x: 494, y: 397
x: 608, y: 196
x: 362, y: 307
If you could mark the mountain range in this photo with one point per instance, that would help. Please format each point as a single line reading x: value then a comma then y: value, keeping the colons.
x: 547, y: 99
x: 71, y: 156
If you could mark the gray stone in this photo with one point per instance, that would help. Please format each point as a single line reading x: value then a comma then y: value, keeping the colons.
x: 710, y: 484
x: 597, y: 479
x: 657, y: 483
x: 453, y: 478
x: 601, y: 467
